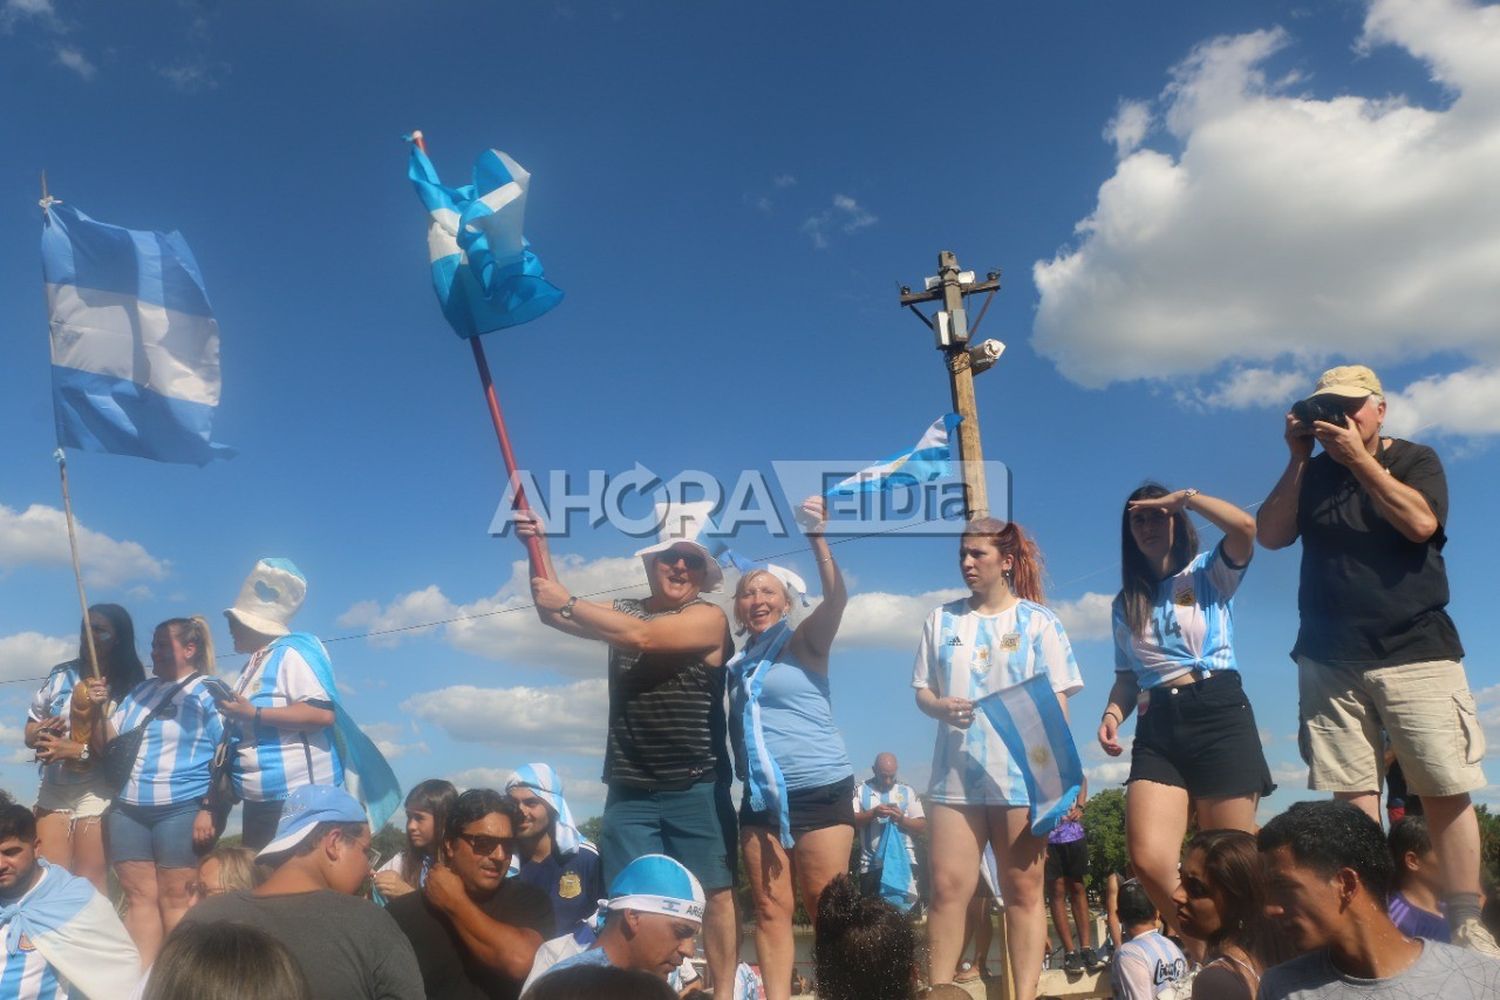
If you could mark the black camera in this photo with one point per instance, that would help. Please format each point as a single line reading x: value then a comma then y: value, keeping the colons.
x: 1330, y: 409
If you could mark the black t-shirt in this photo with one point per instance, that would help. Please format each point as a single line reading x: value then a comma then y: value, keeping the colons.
x: 1369, y: 596
x: 449, y: 972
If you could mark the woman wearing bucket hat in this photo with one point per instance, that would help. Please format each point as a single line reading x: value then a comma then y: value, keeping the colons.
x: 797, y: 814
x: 666, y: 761
x: 280, y: 731
x: 72, y: 798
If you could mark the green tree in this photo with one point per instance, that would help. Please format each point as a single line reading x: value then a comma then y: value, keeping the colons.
x: 1104, y: 819
x: 1489, y: 844
x: 592, y: 829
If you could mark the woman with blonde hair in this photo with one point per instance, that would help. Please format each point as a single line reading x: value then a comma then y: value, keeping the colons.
x: 160, y: 820
x: 997, y: 637
x: 797, y: 812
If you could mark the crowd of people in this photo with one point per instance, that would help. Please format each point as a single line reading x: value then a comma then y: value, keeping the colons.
x: 497, y: 893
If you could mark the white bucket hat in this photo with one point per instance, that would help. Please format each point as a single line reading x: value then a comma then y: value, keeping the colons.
x: 681, y: 524
x: 272, y: 593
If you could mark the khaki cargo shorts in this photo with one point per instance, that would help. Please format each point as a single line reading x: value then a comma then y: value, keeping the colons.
x: 1425, y: 708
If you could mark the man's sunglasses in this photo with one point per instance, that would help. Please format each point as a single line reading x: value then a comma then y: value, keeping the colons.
x: 691, y: 560
x: 485, y: 845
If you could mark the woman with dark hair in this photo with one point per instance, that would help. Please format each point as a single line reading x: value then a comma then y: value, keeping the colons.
x: 1222, y: 900
x: 225, y: 961
x: 1197, y: 748
x: 72, y: 797
x: 427, y: 806
x: 863, y: 947
x: 997, y: 637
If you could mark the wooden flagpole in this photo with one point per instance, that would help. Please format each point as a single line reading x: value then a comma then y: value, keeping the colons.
x: 497, y: 418
x: 62, y: 472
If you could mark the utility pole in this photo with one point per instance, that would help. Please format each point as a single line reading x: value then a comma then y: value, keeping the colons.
x: 951, y: 327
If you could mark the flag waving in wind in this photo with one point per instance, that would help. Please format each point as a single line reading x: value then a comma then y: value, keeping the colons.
x: 135, y: 348
x: 483, y: 270
x: 1031, y: 722
x: 930, y: 460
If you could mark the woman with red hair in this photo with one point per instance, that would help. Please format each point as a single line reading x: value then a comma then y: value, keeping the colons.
x: 996, y: 637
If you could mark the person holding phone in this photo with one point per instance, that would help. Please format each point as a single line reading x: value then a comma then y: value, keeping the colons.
x: 72, y: 799
x: 160, y: 821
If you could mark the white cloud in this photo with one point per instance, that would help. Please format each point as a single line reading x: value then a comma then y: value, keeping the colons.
x: 569, y: 719
x: 781, y: 181
x: 1289, y: 775
x: 1088, y: 618
x: 1111, y: 772
x: 846, y: 215
x: 39, y: 537
x: 30, y: 655
x: 1461, y: 403
x: 29, y: 8
x: 889, y: 621
x: 1283, y: 225
x: 504, y: 626
x: 394, y: 739
x: 75, y: 60
x: 1128, y: 128
x: 1249, y: 388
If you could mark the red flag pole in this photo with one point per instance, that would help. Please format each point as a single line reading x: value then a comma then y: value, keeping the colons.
x: 507, y: 453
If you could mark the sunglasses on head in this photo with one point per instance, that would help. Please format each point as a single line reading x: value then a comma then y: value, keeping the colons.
x: 671, y: 557
x: 484, y: 845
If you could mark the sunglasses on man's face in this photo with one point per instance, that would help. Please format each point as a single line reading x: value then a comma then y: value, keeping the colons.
x: 691, y: 560
x: 485, y: 845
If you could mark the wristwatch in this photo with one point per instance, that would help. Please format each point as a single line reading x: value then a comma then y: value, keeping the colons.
x: 566, y: 611
x: 83, y: 754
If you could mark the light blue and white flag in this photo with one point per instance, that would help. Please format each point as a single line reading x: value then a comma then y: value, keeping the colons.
x: 544, y: 780
x: 135, y: 348
x: 1031, y: 722
x: 483, y: 270
x: 928, y: 462
x: 76, y: 932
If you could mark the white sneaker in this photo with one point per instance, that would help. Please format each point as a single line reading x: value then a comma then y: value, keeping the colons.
x: 1474, y: 935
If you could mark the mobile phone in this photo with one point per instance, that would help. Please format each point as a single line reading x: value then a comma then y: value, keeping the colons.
x: 217, y: 689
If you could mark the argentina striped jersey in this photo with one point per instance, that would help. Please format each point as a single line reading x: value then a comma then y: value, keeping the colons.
x: 26, y: 975
x: 1145, y: 965
x: 52, y: 699
x: 1191, y: 626
x: 269, y: 761
x: 867, y: 797
x: 177, y: 751
x: 965, y: 654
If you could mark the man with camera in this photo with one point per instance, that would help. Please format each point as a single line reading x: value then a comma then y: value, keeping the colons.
x: 1376, y: 648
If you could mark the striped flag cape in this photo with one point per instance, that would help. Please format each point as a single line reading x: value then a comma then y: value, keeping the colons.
x: 135, y: 347
x: 483, y: 270
x: 929, y: 461
x: 1031, y: 723
x: 75, y: 930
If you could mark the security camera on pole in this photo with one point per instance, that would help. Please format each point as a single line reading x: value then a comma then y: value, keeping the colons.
x: 951, y: 328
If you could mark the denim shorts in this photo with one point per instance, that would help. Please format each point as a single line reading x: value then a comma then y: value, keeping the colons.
x: 163, y: 834
x: 1201, y: 737
x: 694, y: 826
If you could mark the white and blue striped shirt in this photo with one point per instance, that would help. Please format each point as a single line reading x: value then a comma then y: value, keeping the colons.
x: 867, y: 797
x: 967, y: 655
x: 177, y: 752
x: 1191, y: 626
x: 26, y: 974
x: 1145, y: 965
x: 269, y: 761
x: 53, y: 699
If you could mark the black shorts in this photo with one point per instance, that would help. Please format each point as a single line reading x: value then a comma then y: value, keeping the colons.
x: 1201, y: 737
x: 811, y: 808
x: 1069, y: 861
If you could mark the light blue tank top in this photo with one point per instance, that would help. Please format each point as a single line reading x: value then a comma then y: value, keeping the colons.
x: 797, y: 718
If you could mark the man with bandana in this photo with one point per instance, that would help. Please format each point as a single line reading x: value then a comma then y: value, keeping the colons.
x: 551, y: 855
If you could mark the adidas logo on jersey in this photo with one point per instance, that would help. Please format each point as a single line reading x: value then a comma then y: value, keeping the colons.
x: 953, y: 640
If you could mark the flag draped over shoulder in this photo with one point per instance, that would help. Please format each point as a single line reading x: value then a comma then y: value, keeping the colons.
x: 77, y: 932
x: 1031, y: 723
x: 483, y: 270
x: 135, y: 347
x: 930, y: 460
x: 367, y: 775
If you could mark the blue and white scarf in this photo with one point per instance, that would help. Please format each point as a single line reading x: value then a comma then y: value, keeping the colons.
x: 763, y: 778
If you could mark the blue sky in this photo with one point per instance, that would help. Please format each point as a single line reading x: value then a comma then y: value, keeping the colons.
x: 1196, y: 207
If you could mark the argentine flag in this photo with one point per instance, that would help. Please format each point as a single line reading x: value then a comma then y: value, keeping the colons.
x: 1031, y: 723
x: 135, y: 348
x: 74, y: 930
x: 483, y: 270
x: 929, y: 461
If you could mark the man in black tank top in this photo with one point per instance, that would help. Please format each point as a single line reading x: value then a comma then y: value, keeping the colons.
x: 666, y: 759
